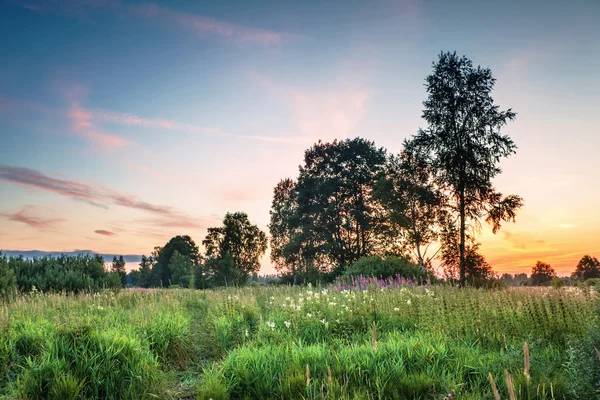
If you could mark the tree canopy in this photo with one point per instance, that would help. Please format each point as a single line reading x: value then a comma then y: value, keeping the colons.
x: 185, y: 246
x: 587, y: 268
x: 329, y: 217
x: 233, y: 250
x: 542, y: 274
x: 463, y: 144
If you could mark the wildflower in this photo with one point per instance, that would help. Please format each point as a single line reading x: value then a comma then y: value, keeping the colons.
x: 323, y: 321
x: 408, y: 302
x: 332, y: 303
x: 298, y: 308
x: 396, y: 309
x: 308, y: 314
x: 287, y: 324
x: 272, y: 298
x: 271, y: 325
x: 287, y: 298
x: 246, y: 333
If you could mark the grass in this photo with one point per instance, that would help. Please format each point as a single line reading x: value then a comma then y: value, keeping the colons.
x: 291, y: 343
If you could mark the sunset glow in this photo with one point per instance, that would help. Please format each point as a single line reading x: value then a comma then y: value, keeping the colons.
x: 123, y: 124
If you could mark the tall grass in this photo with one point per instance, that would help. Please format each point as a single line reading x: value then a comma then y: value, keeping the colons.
x: 314, y: 343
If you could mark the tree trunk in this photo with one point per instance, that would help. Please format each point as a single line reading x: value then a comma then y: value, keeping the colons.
x: 463, y: 277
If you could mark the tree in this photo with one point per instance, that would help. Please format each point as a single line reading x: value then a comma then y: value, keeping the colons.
x: 8, y: 281
x: 181, y: 269
x: 145, y: 278
x: 118, y: 266
x: 162, y: 255
x: 413, y: 203
x: 463, y: 144
x: 588, y: 267
x: 476, y: 267
x: 286, y: 255
x: 329, y: 218
x: 233, y: 250
x: 542, y: 274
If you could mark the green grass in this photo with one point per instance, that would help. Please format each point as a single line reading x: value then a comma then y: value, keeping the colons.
x: 291, y: 343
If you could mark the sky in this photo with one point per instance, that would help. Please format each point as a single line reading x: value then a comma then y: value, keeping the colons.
x: 125, y: 123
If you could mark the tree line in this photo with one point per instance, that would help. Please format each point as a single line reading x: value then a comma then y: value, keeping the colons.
x: 353, y: 205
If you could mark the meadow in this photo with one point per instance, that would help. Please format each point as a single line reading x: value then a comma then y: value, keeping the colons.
x: 395, y: 341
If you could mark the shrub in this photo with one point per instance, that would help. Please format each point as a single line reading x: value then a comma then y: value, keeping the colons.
x: 557, y: 282
x: 593, y: 282
x: 71, y: 274
x: 379, y: 267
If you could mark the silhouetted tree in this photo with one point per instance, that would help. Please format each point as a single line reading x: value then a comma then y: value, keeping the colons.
x: 413, y: 204
x: 476, y: 267
x: 542, y: 274
x: 118, y: 266
x: 463, y: 144
x: 329, y: 218
x: 588, y: 267
x: 233, y: 250
x: 162, y: 255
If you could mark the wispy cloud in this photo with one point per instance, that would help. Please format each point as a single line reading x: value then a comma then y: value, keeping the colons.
x: 207, y: 26
x: 104, y: 233
x: 200, y: 25
x: 96, y: 196
x: 82, y: 125
x: 27, y: 216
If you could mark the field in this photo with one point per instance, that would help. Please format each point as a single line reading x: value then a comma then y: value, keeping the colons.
x: 293, y: 343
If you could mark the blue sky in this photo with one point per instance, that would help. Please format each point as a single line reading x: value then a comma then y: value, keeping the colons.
x: 148, y: 119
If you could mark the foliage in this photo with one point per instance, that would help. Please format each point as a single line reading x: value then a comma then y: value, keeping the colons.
x: 72, y: 274
x: 379, y: 267
x: 588, y: 267
x: 181, y: 269
x: 185, y: 246
x: 8, y: 282
x: 146, y: 276
x: 233, y: 250
x: 557, y: 282
x: 118, y: 267
x: 328, y: 219
x: 477, y: 270
x: 463, y: 144
x: 413, y: 204
x: 542, y: 274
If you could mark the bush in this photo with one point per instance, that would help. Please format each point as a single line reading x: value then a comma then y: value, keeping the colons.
x: 557, y: 282
x: 593, y: 282
x: 71, y: 274
x: 379, y: 267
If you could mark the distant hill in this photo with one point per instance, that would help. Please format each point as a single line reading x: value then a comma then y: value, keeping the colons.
x: 129, y: 258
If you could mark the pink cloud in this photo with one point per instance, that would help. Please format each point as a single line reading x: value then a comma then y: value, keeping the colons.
x: 96, y: 196
x: 27, y: 217
x: 81, y: 125
x: 318, y: 114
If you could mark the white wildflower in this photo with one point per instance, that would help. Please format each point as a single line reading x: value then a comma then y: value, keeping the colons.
x: 396, y: 309
x: 287, y: 324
